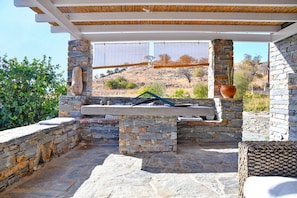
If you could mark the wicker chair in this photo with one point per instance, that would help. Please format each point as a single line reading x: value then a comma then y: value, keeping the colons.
x: 266, y: 158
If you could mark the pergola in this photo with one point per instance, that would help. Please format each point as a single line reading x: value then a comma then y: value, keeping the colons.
x: 218, y: 21
x: 132, y: 20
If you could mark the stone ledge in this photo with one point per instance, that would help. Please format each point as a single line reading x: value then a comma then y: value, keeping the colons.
x: 22, y: 132
x: 30, y: 130
x: 203, y: 123
x: 98, y: 121
x: 56, y: 121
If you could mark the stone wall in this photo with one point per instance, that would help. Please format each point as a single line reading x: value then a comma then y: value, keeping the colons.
x: 69, y: 106
x: 228, y: 127
x: 97, y: 128
x: 220, y: 58
x: 283, y: 89
x: 147, y: 134
x: 24, y: 149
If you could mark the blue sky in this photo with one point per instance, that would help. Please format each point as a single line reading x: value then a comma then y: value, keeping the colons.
x: 21, y: 36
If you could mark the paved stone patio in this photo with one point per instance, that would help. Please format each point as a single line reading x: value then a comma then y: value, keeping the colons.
x: 98, y: 170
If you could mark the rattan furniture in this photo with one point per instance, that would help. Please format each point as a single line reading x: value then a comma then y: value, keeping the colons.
x: 266, y: 158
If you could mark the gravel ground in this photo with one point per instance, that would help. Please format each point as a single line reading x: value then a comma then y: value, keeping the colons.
x: 255, y: 126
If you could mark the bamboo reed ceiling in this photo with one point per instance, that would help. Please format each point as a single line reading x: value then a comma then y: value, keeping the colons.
x: 177, y: 8
x: 104, y: 20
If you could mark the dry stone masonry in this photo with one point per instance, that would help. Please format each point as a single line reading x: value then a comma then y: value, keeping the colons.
x: 220, y: 58
x: 283, y: 89
x: 24, y: 149
x: 147, y: 133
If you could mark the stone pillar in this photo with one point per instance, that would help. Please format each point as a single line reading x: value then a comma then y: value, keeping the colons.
x: 80, y: 56
x: 283, y: 89
x: 220, y: 58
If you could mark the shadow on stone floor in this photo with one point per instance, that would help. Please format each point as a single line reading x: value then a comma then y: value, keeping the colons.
x: 192, y: 158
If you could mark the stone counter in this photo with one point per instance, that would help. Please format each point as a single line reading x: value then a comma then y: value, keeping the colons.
x: 147, y: 110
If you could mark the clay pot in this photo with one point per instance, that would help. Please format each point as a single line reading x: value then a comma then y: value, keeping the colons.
x: 228, y: 91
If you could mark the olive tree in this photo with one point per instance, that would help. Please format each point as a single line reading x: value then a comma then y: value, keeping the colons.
x: 29, y: 91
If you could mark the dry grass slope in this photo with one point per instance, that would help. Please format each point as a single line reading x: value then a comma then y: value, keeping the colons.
x: 172, y: 79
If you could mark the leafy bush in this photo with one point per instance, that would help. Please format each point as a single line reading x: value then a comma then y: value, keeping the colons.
x: 156, y: 88
x: 131, y: 85
x: 256, y: 102
x: 29, y: 92
x: 241, y: 83
x: 200, y: 90
x: 199, y: 72
x: 180, y: 93
x: 120, y: 83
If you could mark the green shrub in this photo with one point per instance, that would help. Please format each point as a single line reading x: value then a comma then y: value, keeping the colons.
x: 120, y: 83
x: 180, y: 93
x: 200, y: 90
x: 256, y: 102
x: 156, y: 88
x: 241, y: 83
x: 29, y: 92
x: 131, y: 85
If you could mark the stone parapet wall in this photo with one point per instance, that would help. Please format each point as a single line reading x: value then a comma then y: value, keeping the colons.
x: 24, y: 149
x: 283, y: 89
x: 228, y: 127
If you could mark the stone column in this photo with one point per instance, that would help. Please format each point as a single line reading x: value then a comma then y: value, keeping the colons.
x: 220, y: 58
x: 80, y: 56
x: 283, y: 89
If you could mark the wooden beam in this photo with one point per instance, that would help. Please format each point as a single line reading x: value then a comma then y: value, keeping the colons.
x: 183, y: 16
x: 181, y: 66
x: 175, y: 2
x: 120, y: 66
x: 154, y: 66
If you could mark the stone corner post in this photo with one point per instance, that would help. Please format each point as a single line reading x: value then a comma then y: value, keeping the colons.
x: 283, y: 89
x: 79, y: 78
x: 220, y: 58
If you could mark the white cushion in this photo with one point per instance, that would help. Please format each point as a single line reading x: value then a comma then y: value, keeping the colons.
x: 270, y: 187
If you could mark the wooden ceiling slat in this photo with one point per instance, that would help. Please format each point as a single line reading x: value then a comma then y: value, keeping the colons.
x: 165, y: 8
x: 177, y: 23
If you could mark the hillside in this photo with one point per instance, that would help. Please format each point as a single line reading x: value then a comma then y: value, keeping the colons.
x: 172, y: 79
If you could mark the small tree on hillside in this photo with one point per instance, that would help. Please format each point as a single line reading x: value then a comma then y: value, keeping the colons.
x: 29, y: 92
x: 186, y: 73
x: 199, y: 72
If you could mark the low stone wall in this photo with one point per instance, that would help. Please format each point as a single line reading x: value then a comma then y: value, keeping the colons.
x: 228, y: 127
x: 24, y: 149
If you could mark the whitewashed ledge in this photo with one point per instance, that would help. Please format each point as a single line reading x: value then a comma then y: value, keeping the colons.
x: 22, y: 132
